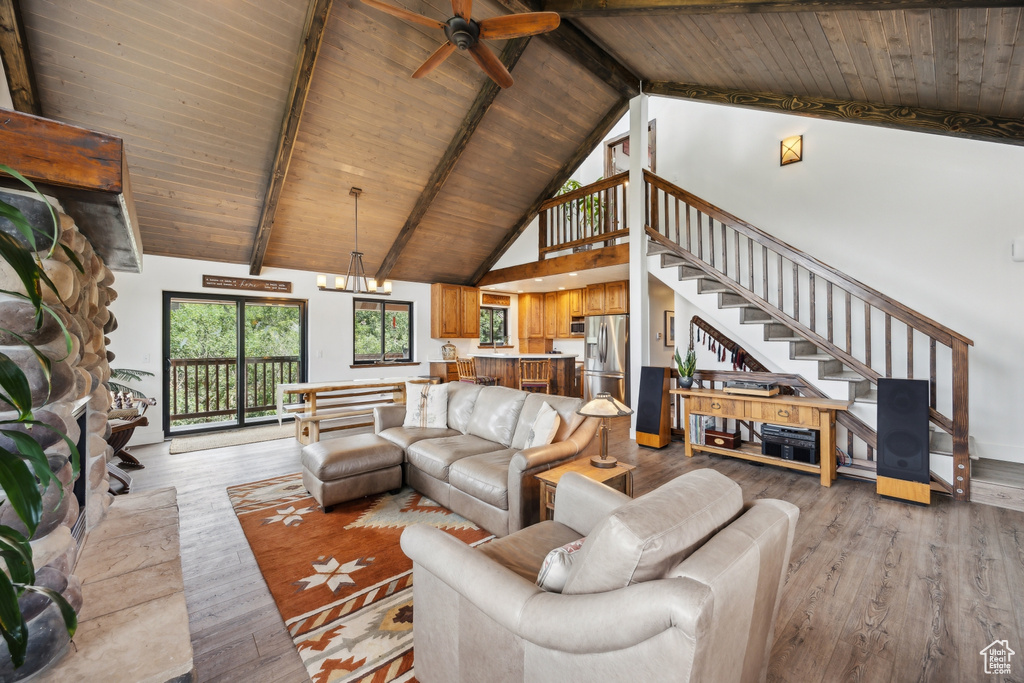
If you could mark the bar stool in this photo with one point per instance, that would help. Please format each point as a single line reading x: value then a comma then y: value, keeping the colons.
x: 467, y: 373
x: 535, y: 375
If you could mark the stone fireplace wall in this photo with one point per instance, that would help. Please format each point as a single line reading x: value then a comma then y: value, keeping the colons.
x: 77, y: 388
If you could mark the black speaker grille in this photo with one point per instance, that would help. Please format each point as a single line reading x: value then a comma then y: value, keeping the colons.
x: 903, y: 430
x: 648, y: 404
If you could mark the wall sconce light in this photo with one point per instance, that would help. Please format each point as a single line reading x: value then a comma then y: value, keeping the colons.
x: 792, y: 150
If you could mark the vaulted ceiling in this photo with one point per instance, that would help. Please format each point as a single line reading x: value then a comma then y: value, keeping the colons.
x: 247, y: 121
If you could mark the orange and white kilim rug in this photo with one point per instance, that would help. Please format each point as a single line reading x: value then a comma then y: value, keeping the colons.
x: 340, y: 580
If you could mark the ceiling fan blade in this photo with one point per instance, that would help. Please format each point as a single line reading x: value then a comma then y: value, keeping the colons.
x: 404, y: 14
x: 440, y: 54
x: 518, y: 25
x: 491, y: 65
x: 462, y: 8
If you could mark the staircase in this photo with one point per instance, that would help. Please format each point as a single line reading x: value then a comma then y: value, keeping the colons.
x: 854, y: 334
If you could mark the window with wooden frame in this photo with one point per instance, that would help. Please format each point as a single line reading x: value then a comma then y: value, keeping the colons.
x: 381, y: 331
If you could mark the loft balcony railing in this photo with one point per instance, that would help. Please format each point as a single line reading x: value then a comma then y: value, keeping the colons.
x: 592, y: 215
x: 204, y: 388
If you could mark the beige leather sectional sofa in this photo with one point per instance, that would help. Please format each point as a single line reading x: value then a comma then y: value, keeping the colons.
x: 478, y: 466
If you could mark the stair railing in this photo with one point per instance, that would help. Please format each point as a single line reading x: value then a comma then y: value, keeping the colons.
x: 592, y: 214
x: 845, y: 318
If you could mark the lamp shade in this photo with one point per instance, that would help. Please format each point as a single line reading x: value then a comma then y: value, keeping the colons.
x: 604, y: 405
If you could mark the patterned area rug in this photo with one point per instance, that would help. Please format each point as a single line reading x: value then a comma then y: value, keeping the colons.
x: 340, y: 580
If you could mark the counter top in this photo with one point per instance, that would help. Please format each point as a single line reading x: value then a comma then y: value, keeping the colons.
x: 517, y: 356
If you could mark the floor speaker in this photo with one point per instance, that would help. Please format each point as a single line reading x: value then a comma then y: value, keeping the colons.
x: 902, y: 453
x: 653, y: 428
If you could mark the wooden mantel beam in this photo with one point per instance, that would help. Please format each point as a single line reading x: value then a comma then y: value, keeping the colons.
x: 611, y: 117
x: 16, y: 60
x: 316, y: 22
x: 608, y: 8
x: 939, y: 122
x: 484, y: 99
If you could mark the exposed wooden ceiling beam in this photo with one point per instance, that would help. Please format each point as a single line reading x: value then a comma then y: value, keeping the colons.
x: 316, y: 21
x: 956, y: 124
x: 484, y: 99
x: 569, y: 263
x: 572, y: 41
x: 608, y: 8
x: 17, y: 63
x: 593, y: 140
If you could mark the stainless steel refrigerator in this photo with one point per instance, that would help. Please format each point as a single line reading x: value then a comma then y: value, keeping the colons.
x: 606, y: 357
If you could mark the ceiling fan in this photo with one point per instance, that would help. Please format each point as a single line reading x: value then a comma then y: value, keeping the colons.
x: 465, y: 33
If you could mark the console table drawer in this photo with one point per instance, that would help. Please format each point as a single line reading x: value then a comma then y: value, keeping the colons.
x: 720, y: 407
x: 775, y: 413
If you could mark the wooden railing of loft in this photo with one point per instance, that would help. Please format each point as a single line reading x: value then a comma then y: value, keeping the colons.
x: 206, y: 387
x: 593, y: 214
x: 843, y: 317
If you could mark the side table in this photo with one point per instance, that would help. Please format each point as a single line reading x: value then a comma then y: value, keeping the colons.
x: 619, y: 477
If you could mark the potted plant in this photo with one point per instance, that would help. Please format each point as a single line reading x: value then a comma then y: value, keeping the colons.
x: 687, y: 366
x: 24, y: 469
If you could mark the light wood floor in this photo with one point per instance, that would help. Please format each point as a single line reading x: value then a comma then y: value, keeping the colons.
x: 877, y: 590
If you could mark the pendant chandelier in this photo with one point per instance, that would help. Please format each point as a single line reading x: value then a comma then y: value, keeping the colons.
x: 355, y: 280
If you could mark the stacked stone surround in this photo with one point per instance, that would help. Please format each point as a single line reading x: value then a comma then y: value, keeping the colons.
x: 77, y: 383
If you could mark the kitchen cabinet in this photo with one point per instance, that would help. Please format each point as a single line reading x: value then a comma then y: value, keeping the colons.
x: 454, y: 311
x: 531, y: 316
x: 551, y: 315
x: 575, y: 303
x: 609, y: 298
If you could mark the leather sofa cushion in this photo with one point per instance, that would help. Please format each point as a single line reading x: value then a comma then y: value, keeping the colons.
x: 340, y: 458
x: 435, y: 456
x: 484, y: 476
x: 524, y: 551
x: 645, y: 538
x: 407, y: 436
x: 461, y: 399
x: 496, y: 413
x: 565, y: 406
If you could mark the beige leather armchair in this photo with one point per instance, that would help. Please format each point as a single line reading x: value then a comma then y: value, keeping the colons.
x: 681, y: 584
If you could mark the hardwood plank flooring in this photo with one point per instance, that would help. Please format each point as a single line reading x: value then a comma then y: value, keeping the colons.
x: 877, y: 590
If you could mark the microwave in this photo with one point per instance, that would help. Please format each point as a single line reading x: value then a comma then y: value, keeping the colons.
x: 576, y: 327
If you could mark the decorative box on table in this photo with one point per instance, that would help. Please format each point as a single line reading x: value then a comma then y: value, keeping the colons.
x: 713, y: 437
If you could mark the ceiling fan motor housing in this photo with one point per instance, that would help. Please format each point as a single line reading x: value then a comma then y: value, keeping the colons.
x: 462, y: 33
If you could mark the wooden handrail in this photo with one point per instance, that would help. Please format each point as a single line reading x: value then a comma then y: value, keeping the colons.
x: 585, y: 191
x: 903, y: 313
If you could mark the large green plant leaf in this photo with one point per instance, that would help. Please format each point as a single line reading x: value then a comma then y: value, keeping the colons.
x: 12, y: 623
x: 14, y: 387
x: 55, y: 233
x: 19, y: 484
x: 66, y: 610
x: 75, y: 457
x: 27, y: 270
x: 17, y: 553
x: 31, y: 451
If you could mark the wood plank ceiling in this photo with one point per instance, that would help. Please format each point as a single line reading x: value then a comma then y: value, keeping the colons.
x: 452, y: 171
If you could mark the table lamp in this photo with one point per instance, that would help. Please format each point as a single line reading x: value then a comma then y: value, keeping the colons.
x: 604, y: 406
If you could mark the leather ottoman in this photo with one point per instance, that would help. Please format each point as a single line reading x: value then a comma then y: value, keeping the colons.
x: 339, y: 470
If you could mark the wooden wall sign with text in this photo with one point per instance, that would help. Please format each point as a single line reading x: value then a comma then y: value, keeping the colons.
x: 495, y: 300
x: 246, y: 283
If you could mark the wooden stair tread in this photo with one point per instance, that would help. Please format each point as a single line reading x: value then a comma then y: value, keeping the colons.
x: 848, y: 376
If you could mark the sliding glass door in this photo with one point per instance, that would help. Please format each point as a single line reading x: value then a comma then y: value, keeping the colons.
x: 224, y: 357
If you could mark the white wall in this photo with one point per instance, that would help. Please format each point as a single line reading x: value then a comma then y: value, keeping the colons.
x: 5, y: 92
x: 140, y: 325
x: 660, y: 298
x: 925, y: 219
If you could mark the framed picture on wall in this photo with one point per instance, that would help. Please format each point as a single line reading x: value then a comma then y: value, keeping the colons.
x: 670, y: 328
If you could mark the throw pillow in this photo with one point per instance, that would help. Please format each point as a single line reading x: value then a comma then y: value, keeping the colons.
x: 426, y: 405
x: 544, y: 427
x: 555, y: 569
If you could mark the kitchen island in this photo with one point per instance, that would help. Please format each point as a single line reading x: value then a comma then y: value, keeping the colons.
x: 505, y: 368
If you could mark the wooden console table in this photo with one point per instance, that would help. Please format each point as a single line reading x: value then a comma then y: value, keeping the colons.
x: 792, y: 411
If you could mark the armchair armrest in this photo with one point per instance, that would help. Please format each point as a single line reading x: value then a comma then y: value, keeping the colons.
x: 582, y: 502
x: 568, y: 623
x: 386, y: 417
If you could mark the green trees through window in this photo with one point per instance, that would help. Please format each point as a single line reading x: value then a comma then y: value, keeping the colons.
x: 381, y: 331
x: 493, y: 326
